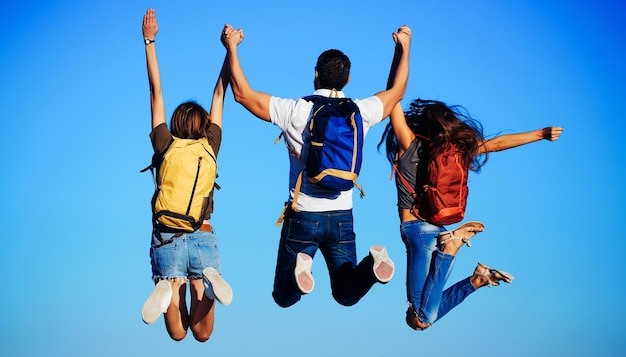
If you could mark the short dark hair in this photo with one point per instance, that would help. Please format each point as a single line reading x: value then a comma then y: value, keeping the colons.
x: 333, y: 69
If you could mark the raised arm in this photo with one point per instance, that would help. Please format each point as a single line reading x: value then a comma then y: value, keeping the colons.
x: 401, y: 129
x: 149, y: 29
x: 257, y: 103
x: 509, y: 141
x: 399, y: 74
x: 217, y: 103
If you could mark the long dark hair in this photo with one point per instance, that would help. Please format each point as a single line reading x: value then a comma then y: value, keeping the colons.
x: 442, y: 125
x: 190, y: 121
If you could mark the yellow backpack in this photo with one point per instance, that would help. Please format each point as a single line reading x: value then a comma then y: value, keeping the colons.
x: 184, y: 184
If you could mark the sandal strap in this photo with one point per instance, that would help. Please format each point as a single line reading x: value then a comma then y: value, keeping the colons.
x: 465, y: 241
x: 487, y: 273
x: 492, y: 272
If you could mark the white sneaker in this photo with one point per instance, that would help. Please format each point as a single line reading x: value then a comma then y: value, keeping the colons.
x: 383, y: 266
x: 215, y: 287
x: 302, y: 272
x: 158, y: 302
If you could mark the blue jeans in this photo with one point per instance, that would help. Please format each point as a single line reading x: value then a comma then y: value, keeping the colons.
x: 183, y: 255
x: 333, y: 234
x: 428, y: 270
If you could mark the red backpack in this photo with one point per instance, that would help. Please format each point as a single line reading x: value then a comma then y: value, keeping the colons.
x: 443, y: 198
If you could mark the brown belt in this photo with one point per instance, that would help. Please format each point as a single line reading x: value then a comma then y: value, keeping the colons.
x: 206, y: 227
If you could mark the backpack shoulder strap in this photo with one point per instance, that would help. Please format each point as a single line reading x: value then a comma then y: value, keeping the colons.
x: 403, y: 180
x: 208, y: 148
x: 309, y: 98
x: 317, y: 100
x: 421, y: 136
x: 294, y: 202
x: 156, y: 158
x: 312, y: 98
x: 414, y: 210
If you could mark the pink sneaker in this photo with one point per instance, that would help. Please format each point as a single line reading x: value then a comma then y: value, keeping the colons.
x: 302, y: 272
x: 383, y: 266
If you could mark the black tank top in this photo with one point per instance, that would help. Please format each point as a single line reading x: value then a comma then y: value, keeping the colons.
x: 407, y: 165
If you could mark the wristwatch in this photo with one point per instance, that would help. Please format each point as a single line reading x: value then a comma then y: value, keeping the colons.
x: 148, y: 41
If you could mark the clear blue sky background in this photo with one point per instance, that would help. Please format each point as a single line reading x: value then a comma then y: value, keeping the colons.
x: 75, y: 209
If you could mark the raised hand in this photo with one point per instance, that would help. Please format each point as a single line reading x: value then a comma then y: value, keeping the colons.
x: 230, y: 36
x: 552, y: 132
x: 150, y: 26
x: 402, y: 36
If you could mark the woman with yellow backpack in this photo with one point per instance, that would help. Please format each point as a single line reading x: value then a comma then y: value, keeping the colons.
x: 184, y: 245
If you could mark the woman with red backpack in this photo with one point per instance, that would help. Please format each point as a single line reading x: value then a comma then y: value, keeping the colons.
x: 418, y: 136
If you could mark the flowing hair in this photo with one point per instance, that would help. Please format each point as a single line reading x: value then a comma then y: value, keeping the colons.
x: 441, y: 125
x: 190, y: 121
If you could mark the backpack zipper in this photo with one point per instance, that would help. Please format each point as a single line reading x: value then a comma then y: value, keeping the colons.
x: 195, y: 183
x: 458, y: 164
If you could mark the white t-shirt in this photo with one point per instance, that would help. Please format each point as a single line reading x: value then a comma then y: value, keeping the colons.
x: 292, y: 116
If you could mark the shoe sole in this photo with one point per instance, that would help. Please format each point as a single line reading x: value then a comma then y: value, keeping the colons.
x: 153, y: 307
x: 302, y: 272
x: 222, y: 291
x: 508, y: 277
x: 383, y: 266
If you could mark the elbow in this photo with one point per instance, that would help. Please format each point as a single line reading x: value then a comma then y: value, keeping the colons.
x: 239, y: 97
x: 400, y: 91
x: 238, y: 93
x: 156, y: 91
x: 403, y: 88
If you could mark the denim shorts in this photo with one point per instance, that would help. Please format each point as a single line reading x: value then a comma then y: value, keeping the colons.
x: 184, y: 255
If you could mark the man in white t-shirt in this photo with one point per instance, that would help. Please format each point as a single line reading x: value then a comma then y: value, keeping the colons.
x: 323, y: 219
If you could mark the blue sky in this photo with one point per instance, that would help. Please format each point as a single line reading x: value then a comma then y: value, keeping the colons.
x: 75, y: 209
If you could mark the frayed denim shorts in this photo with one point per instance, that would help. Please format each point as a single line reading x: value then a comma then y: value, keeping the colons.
x: 183, y: 255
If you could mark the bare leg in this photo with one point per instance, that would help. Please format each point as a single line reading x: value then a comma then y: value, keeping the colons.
x: 202, y: 312
x: 177, y: 317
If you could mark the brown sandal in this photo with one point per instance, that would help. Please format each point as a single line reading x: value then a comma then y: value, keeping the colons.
x: 477, y: 228
x: 493, y: 275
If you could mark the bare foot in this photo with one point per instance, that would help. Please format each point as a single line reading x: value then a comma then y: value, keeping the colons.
x: 451, y: 241
x: 413, y: 321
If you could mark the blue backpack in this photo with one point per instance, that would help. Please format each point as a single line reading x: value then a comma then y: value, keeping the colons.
x: 335, y: 149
